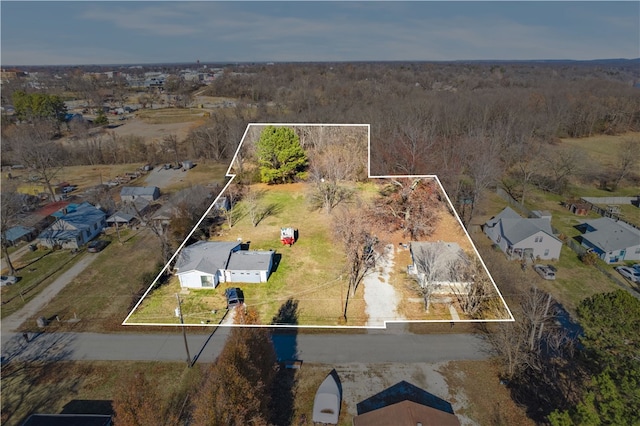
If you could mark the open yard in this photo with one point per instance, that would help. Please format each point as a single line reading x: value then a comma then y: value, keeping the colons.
x: 574, y: 280
x: 310, y: 274
x: 472, y: 388
x: 101, y: 296
x: 36, y: 270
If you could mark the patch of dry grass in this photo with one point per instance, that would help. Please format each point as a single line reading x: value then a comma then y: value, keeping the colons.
x: 90, y: 386
x: 101, y: 295
x: 602, y: 148
x: 171, y: 115
x: 488, y: 402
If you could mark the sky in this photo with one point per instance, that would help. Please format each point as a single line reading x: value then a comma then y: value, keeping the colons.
x: 137, y: 32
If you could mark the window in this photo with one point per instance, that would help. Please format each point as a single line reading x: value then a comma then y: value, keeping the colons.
x: 538, y: 239
x: 546, y: 252
x: 637, y: 250
x: 206, y: 280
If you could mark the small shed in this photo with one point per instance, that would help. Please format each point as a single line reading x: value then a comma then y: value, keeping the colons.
x: 187, y: 164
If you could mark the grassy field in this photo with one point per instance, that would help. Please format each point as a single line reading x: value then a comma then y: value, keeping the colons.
x: 37, y: 270
x: 602, y: 148
x: 87, y: 176
x: 310, y: 271
x: 101, y: 295
x: 171, y: 115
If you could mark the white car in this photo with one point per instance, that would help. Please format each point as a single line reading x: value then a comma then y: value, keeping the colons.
x: 7, y: 280
x: 629, y: 273
x: 548, y: 272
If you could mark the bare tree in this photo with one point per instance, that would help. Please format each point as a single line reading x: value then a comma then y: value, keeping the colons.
x: 475, y: 292
x: 362, y: 248
x: 39, y: 152
x: 627, y: 160
x: 252, y: 200
x: 10, y: 206
x: 410, y: 205
x: 437, y: 264
x: 562, y: 163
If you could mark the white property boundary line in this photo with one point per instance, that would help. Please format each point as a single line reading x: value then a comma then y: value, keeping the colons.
x: 232, y: 176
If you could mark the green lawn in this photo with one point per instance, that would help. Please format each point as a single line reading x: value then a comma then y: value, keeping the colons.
x: 310, y: 271
x: 102, y: 294
x: 37, y: 270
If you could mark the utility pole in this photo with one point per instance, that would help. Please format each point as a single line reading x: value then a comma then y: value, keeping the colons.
x: 184, y: 333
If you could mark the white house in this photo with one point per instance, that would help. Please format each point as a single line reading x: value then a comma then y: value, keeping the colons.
x: 521, y: 238
x: 612, y: 240
x: 75, y: 225
x: 439, y: 264
x: 208, y: 263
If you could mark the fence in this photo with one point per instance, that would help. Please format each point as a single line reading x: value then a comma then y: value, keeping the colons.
x: 571, y: 243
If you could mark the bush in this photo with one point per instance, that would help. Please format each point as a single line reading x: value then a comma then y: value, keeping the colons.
x: 589, y: 258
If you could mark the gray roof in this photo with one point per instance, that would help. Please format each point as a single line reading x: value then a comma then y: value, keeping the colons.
x: 250, y: 260
x: 448, y: 254
x: 205, y: 256
x: 120, y: 217
x: 612, y: 235
x: 515, y: 228
x: 139, y: 190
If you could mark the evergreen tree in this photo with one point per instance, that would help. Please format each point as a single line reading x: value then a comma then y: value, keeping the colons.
x: 280, y: 155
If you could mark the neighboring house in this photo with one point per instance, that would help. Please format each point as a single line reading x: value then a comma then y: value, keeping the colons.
x: 612, y: 240
x: 129, y: 212
x: 440, y: 264
x: 75, y: 225
x: 404, y: 404
x: 131, y: 193
x: 208, y: 263
x: 19, y: 233
x: 222, y: 203
x: 120, y: 218
x: 520, y: 238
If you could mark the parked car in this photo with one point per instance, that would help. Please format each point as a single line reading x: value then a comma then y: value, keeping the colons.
x: 234, y: 297
x: 629, y: 273
x: 68, y: 189
x: 97, y: 245
x: 636, y: 267
x: 8, y: 280
x: 548, y: 272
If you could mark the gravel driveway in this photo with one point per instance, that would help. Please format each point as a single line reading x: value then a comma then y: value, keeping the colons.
x: 380, y: 297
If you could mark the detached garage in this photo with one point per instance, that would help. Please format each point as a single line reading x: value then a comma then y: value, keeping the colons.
x: 247, y: 266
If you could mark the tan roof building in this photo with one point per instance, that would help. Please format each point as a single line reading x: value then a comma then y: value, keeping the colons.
x: 406, y: 413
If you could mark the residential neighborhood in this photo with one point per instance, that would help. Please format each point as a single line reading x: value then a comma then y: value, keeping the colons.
x: 401, y: 213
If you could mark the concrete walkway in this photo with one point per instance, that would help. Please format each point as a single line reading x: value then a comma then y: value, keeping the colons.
x: 12, y: 322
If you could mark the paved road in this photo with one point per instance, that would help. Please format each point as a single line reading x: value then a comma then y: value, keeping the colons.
x: 12, y: 322
x: 316, y: 348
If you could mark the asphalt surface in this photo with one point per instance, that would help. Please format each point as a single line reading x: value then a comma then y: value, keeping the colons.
x: 315, y: 348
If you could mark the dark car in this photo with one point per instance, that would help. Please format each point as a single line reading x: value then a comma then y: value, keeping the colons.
x: 234, y: 297
x: 97, y: 245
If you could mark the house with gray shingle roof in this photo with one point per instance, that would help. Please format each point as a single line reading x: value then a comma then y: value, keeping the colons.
x: 131, y: 193
x: 521, y: 238
x: 612, y: 240
x: 208, y: 263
